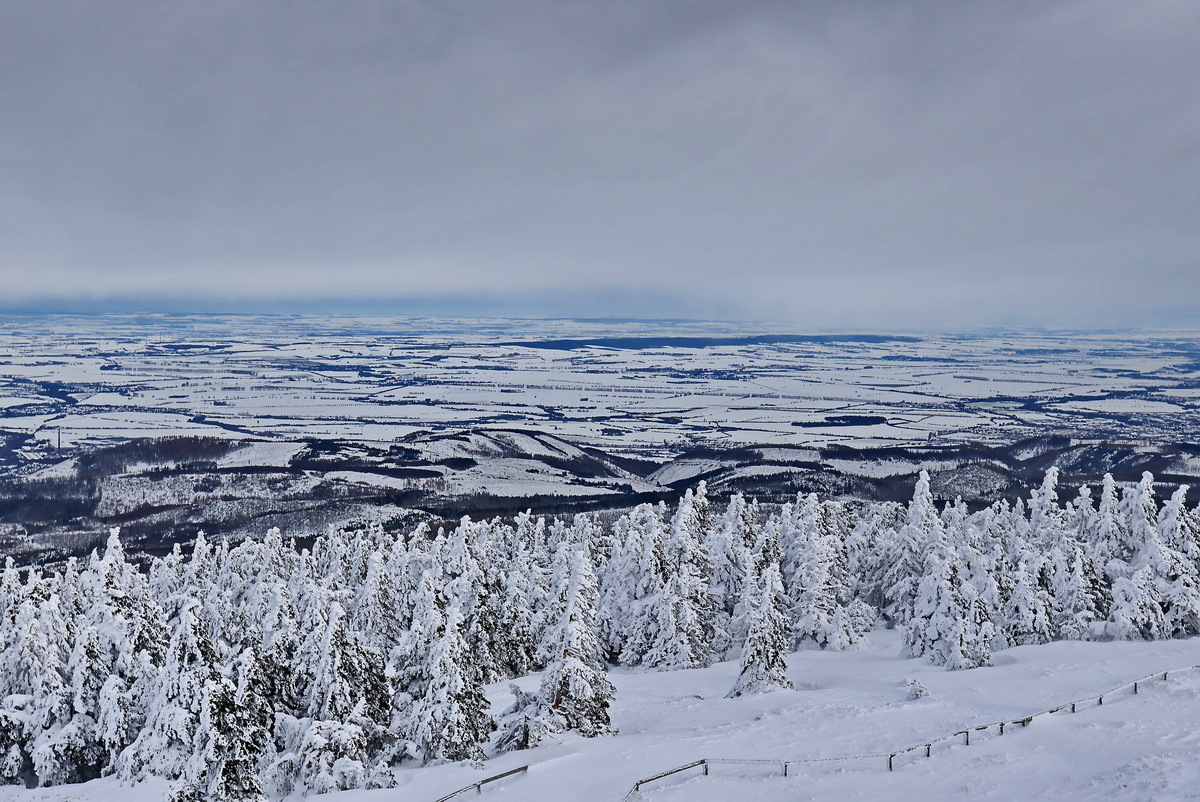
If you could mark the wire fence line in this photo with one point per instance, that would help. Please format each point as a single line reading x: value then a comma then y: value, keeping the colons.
x: 785, y: 766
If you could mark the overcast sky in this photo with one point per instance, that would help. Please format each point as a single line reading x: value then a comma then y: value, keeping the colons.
x: 829, y: 164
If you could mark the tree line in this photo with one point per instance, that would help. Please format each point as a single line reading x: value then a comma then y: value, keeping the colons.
x: 261, y: 669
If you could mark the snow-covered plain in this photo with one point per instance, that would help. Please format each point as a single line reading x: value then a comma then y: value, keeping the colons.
x: 98, y: 379
x: 1137, y: 747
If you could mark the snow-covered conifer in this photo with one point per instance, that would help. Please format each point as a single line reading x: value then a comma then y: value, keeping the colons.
x: 1137, y: 607
x: 905, y: 553
x: 1027, y: 611
x: 167, y: 743
x: 949, y: 622
x: 575, y: 694
x: 450, y: 720
x: 763, y: 665
x: 1076, y: 599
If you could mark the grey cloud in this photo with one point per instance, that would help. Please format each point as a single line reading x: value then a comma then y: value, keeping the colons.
x: 855, y: 163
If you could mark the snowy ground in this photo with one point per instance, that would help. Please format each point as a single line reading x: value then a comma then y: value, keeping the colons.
x: 89, y: 380
x: 1143, y: 746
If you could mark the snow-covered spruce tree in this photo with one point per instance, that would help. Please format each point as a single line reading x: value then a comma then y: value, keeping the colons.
x: 689, y: 565
x: 55, y: 745
x: 467, y: 590
x: 575, y: 693
x: 450, y: 720
x: 275, y: 639
x: 765, y: 551
x: 113, y: 676
x: 820, y: 594
x: 1172, y: 557
x: 1108, y: 541
x: 574, y: 687
x: 375, y: 609
x: 1139, y: 513
x: 513, y: 651
x: 676, y: 630
x: 555, y: 601
x: 949, y: 622
x: 70, y: 750
x: 340, y: 676
x: 345, y: 708
x: 320, y: 757
x: 1076, y: 599
x: 411, y: 667
x: 1047, y: 521
x: 763, y: 665
x: 904, y: 553
x: 635, y: 575
x: 1137, y: 608
x: 498, y: 624
x: 529, y: 539
x: 727, y: 553
x: 1028, y: 610
x: 167, y: 745
x: 241, y: 718
x: 867, y: 556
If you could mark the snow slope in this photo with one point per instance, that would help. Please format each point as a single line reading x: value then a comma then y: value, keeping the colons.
x: 1133, y: 747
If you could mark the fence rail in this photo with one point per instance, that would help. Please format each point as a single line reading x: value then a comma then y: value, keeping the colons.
x: 927, y: 746
x: 478, y: 787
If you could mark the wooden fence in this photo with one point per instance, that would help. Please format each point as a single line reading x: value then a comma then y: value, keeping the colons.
x: 786, y: 766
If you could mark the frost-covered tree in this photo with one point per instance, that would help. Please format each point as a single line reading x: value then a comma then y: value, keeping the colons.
x: 575, y: 693
x: 819, y: 592
x: 905, y: 552
x: 1028, y: 610
x: 763, y: 665
x: 677, y: 631
x: 1137, y: 608
x: 167, y: 745
x: 1171, y: 555
x: 1076, y: 599
x: 241, y: 720
x: 635, y: 577
x: 949, y: 622
x: 689, y: 565
x: 450, y: 720
x: 339, y: 675
x: 1047, y: 521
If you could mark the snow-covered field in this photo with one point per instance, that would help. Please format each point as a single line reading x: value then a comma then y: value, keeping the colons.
x: 1143, y: 746
x: 104, y: 378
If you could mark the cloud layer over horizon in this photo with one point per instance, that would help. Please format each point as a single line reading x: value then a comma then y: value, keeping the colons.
x: 848, y: 164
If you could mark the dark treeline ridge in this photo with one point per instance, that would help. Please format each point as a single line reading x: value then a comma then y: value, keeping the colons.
x: 269, y: 667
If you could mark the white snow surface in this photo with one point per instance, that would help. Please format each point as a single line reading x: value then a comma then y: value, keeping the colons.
x: 1134, y: 747
x: 119, y: 377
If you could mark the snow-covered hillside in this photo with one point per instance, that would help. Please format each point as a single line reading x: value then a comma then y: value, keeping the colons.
x: 1142, y: 746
